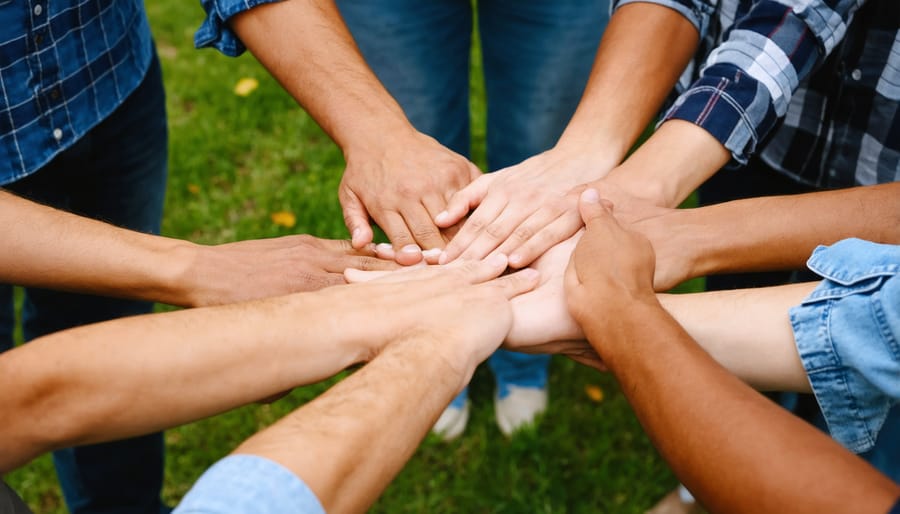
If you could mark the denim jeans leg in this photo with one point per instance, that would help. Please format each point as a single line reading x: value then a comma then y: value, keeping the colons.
x: 7, y: 317
x: 420, y: 52
x: 537, y: 60
x: 116, y: 173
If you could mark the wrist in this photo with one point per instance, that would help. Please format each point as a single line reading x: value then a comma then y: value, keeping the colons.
x: 377, y: 135
x: 612, y: 332
x: 594, y: 160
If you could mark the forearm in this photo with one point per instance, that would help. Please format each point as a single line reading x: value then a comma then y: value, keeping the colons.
x: 644, y: 49
x: 349, y: 443
x: 779, y: 232
x: 670, y: 165
x: 45, y: 247
x: 733, y: 448
x: 747, y: 331
x: 136, y: 375
x: 309, y: 50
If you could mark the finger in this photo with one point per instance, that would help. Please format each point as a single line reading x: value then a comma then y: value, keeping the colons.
x: 483, y: 215
x: 338, y: 265
x: 514, y: 284
x: 463, y: 201
x: 494, y: 233
x: 356, y: 218
x: 423, y: 230
x: 355, y: 276
x: 385, y: 251
x: 592, y: 207
x: 342, y: 246
x: 406, y: 250
x: 551, y: 235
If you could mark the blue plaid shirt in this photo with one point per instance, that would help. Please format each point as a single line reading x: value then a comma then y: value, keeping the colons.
x: 811, y: 87
x: 64, y: 67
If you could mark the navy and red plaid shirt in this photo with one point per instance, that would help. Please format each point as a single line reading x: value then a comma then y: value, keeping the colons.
x: 810, y: 86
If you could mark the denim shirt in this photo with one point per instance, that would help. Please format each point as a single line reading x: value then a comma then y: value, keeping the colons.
x: 810, y: 87
x: 247, y: 483
x: 64, y: 67
x: 848, y: 336
x: 215, y: 32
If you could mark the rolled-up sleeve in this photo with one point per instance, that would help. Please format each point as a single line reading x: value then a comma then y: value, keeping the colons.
x: 247, y: 483
x: 215, y: 32
x: 848, y: 337
x: 747, y: 82
x: 698, y: 12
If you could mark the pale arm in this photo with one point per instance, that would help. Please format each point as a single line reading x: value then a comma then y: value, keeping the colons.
x: 525, y: 209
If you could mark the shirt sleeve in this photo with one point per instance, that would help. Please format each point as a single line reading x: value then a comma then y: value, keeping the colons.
x: 215, y: 32
x: 847, y: 333
x: 247, y: 483
x: 747, y: 82
x: 698, y: 12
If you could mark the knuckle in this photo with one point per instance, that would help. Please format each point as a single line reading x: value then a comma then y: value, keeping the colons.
x: 495, y: 231
x: 523, y: 233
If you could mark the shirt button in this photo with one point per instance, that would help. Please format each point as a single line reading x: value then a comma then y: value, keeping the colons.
x: 57, y: 134
x: 38, y: 9
x: 856, y: 74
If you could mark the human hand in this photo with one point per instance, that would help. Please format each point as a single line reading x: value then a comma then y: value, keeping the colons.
x: 402, y: 186
x: 541, y: 320
x: 260, y: 268
x: 520, y: 211
x: 611, y: 267
x: 462, y: 308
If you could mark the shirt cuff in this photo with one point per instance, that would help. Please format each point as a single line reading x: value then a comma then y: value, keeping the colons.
x: 215, y: 32
x: 847, y: 332
x: 732, y: 106
x: 247, y: 483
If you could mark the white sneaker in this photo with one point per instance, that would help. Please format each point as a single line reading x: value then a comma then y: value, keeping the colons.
x: 519, y: 408
x: 452, y: 422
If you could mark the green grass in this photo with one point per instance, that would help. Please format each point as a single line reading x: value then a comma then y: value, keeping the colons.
x: 234, y: 161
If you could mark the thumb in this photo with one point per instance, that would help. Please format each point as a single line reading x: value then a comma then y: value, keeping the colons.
x: 591, y: 206
x: 463, y: 201
x: 356, y: 218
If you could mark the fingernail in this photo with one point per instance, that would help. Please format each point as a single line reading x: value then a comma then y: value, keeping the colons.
x: 411, y: 249
x: 443, y: 215
x: 530, y: 273
x: 383, y: 248
x: 443, y: 258
x: 356, y: 233
x: 515, y: 258
x: 590, y: 195
x: 430, y: 254
x: 497, y: 260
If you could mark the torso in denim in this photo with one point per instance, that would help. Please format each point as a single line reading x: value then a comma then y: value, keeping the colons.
x: 64, y: 67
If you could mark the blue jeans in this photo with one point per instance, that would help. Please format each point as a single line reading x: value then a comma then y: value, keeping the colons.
x: 115, y: 173
x: 537, y: 58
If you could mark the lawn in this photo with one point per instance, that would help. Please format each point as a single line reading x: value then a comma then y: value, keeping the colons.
x: 236, y: 160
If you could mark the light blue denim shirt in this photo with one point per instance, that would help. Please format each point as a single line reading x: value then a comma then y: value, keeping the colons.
x: 848, y: 335
x: 240, y: 484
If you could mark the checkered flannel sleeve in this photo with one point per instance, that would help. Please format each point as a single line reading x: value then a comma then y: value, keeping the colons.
x: 747, y: 81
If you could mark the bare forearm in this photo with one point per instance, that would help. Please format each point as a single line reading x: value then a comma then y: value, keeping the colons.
x: 45, y: 247
x: 349, y: 443
x: 780, y: 232
x: 733, y: 448
x: 644, y: 49
x: 137, y: 375
x: 747, y: 331
x: 308, y: 48
x: 676, y: 159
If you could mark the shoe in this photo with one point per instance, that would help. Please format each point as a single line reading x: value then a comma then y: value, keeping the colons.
x: 673, y: 503
x: 519, y: 407
x: 452, y: 422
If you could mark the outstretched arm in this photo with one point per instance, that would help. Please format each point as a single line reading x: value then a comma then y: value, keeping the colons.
x: 137, y: 375
x: 349, y: 443
x: 395, y: 175
x: 48, y: 248
x: 734, y: 449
